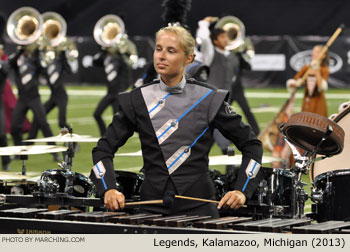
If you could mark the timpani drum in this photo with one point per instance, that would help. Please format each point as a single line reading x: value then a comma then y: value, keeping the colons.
x: 332, y: 177
x: 335, y: 190
x: 342, y: 160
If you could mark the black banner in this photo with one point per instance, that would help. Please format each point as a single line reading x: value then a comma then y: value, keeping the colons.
x: 278, y: 58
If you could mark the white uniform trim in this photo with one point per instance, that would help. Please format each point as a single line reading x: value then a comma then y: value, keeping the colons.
x: 252, y: 168
x: 173, y: 127
x: 99, y: 170
x: 180, y: 152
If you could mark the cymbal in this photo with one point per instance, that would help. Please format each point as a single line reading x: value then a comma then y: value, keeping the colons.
x: 10, y: 176
x: 131, y: 154
x: 236, y: 160
x: 30, y: 149
x: 66, y: 138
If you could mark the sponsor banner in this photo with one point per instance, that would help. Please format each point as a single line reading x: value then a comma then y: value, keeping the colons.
x: 269, y: 62
x: 279, y: 58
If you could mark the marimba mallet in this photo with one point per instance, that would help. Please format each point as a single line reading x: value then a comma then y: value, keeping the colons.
x: 170, y: 196
x: 146, y: 202
x: 168, y: 200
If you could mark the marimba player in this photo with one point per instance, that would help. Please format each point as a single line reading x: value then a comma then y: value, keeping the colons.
x: 175, y: 118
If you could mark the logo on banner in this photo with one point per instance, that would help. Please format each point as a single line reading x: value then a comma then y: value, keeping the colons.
x: 269, y: 62
x: 298, y: 60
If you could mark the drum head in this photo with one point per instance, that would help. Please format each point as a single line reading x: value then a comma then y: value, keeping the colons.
x: 306, y: 130
x: 341, y: 161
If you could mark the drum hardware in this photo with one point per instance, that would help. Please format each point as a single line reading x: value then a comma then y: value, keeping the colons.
x: 69, y: 139
x: 47, y: 186
x: 272, y: 197
x: 221, y: 182
x: 16, y: 184
x: 316, y: 135
x: 262, y: 191
x: 317, y: 195
x: 57, y: 183
x: 274, y: 192
x: 298, y: 195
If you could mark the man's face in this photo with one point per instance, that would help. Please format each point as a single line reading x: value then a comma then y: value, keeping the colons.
x: 169, y: 57
x: 316, y: 51
x: 221, y: 41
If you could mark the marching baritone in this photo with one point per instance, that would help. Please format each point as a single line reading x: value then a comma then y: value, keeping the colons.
x: 227, y: 52
x: 24, y: 28
x: 26, y: 65
x: 60, y: 58
x: 117, y: 57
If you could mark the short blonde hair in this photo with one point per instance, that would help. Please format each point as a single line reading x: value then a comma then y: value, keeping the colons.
x: 186, y: 40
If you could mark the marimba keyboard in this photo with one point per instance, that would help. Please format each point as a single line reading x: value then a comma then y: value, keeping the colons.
x: 35, y: 221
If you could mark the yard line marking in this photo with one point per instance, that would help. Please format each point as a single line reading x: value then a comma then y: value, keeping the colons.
x: 279, y: 95
x: 270, y: 109
x: 266, y: 95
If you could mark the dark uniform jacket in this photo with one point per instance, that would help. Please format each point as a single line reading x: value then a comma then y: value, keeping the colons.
x: 175, y: 126
x: 224, y: 70
x: 27, y: 70
x: 118, y: 73
x: 54, y: 73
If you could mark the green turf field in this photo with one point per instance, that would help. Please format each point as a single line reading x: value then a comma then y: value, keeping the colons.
x: 265, y: 103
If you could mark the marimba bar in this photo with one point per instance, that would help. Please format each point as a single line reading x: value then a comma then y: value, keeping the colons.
x: 73, y: 221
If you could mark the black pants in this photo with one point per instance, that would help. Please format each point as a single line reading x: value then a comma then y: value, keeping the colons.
x: 109, y: 99
x: 56, y: 99
x: 19, y: 114
x: 3, y: 141
x: 237, y: 94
